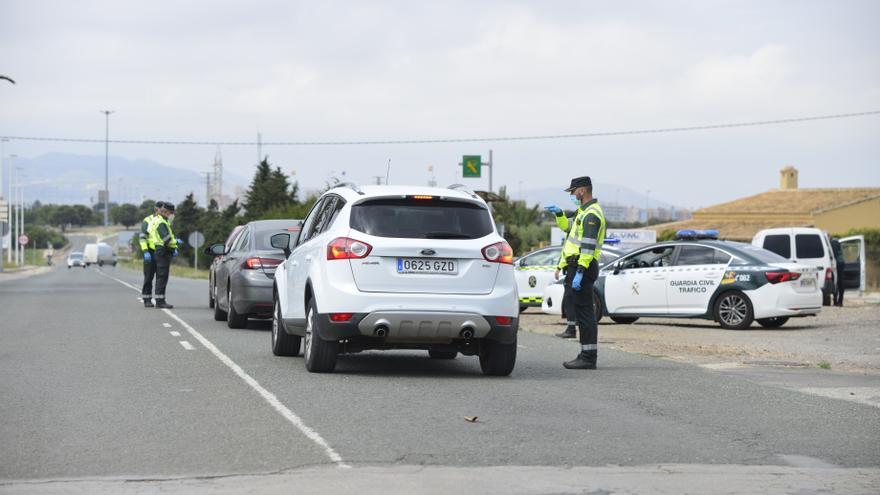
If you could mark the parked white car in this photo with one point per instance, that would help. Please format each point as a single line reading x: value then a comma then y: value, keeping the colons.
x: 99, y: 254
x: 812, y: 247
x: 394, y: 267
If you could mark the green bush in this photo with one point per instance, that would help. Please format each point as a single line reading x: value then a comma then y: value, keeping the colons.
x: 41, y: 236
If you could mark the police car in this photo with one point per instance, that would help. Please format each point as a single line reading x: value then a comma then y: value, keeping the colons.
x: 534, y: 271
x: 699, y: 276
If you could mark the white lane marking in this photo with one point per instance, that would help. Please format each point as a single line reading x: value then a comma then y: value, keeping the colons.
x: 166, y: 325
x: 265, y: 394
x: 175, y: 334
x: 186, y: 345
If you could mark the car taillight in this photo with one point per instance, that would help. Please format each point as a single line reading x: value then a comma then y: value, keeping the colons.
x: 778, y: 277
x: 343, y: 248
x: 503, y: 320
x: 829, y: 275
x: 258, y: 263
x: 500, y: 252
x: 340, y: 317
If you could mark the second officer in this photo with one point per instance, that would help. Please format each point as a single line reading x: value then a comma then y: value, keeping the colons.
x: 162, y: 238
x: 149, y: 252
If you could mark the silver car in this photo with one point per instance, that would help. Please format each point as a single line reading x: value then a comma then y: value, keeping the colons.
x: 242, y: 282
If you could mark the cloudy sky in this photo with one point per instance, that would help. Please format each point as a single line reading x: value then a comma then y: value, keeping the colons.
x: 396, y: 70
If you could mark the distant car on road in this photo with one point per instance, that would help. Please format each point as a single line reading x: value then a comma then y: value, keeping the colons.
x: 215, y: 262
x: 535, y: 270
x: 75, y: 259
x: 242, y: 282
x: 394, y: 267
x: 698, y: 276
x: 99, y: 254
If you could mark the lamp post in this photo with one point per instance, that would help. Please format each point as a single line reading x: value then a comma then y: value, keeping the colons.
x: 106, y: 165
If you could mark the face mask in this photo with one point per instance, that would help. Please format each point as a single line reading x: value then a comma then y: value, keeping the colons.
x: 575, y: 200
x: 171, y: 218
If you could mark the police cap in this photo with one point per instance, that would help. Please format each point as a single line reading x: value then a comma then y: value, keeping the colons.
x: 160, y: 204
x: 168, y: 206
x: 580, y: 182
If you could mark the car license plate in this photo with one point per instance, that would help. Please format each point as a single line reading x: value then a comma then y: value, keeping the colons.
x: 808, y: 282
x: 427, y: 265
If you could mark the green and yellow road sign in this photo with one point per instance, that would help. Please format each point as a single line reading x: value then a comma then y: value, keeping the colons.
x: 471, y: 165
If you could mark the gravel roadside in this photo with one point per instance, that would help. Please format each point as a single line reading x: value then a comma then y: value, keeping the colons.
x: 843, y: 339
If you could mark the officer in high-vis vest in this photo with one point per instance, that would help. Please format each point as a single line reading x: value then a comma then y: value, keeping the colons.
x: 162, y: 238
x: 149, y: 251
x: 580, y: 259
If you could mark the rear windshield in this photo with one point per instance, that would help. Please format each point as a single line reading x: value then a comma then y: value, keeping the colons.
x: 76, y: 256
x: 421, y: 219
x: 264, y: 237
x: 779, y: 244
x: 762, y: 255
x: 809, y: 246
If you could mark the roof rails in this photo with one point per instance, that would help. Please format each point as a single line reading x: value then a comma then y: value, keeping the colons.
x: 462, y: 188
x: 351, y: 185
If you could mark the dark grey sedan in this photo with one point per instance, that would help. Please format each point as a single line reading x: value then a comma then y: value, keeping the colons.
x: 242, y: 282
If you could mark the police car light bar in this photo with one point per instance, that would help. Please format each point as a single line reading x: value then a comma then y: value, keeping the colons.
x: 612, y: 241
x: 696, y: 234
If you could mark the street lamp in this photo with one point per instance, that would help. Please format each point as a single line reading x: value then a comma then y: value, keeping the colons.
x: 106, y: 165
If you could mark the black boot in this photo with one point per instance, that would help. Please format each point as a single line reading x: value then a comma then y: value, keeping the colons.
x: 161, y: 304
x: 569, y: 333
x: 148, y: 303
x: 586, y: 360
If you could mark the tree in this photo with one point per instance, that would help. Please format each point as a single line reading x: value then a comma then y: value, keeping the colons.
x: 268, y: 190
x: 523, y: 226
x: 126, y: 214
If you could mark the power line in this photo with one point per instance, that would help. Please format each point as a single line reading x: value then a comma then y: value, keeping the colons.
x: 455, y: 140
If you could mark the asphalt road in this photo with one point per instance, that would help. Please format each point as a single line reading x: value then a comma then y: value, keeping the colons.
x: 98, y: 391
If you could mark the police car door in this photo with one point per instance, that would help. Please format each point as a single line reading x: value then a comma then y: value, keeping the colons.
x: 534, y: 273
x: 637, y: 282
x: 693, y: 279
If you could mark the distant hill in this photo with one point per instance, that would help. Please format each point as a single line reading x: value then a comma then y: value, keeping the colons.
x: 606, y: 193
x: 63, y: 178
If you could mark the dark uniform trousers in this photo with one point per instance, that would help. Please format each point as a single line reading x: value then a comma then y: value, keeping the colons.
x: 163, y: 268
x: 568, y: 310
x: 149, y: 273
x: 838, y: 296
x: 582, y: 303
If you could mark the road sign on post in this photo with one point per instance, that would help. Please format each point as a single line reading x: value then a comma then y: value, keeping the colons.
x: 471, y: 166
x: 196, y: 239
x: 23, y: 239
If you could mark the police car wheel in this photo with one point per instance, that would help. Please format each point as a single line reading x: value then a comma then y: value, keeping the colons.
x: 733, y: 310
x: 772, y: 322
x: 624, y: 320
x: 597, y: 306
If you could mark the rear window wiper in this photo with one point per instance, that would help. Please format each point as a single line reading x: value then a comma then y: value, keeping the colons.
x: 446, y: 235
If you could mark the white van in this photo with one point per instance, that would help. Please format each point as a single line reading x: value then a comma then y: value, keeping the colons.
x: 812, y: 247
x: 99, y: 254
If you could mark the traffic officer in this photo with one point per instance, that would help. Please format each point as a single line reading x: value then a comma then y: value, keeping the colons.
x: 149, y: 251
x: 580, y: 258
x: 165, y: 245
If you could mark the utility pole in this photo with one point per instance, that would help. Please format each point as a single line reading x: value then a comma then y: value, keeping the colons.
x: 9, y: 215
x: 9, y: 225
x: 106, y: 166
x: 20, y: 253
x: 207, y: 188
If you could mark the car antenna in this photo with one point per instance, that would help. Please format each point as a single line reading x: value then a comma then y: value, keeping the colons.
x: 388, y: 171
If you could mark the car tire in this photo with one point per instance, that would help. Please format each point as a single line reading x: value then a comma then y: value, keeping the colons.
x: 233, y: 319
x: 624, y: 320
x: 219, y: 314
x: 775, y: 322
x: 733, y: 310
x: 597, y: 306
x: 497, y: 359
x: 283, y: 344
x: 442, y: 354
x: 210, y: 295
x: 320, y: 355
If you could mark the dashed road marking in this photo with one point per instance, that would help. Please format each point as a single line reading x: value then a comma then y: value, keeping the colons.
x: 269, y: 397
x: 166, y: 325
x: 186, y: 345
x: 175, y: 334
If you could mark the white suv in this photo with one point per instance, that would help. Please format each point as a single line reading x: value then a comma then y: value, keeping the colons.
x: 394, y: 267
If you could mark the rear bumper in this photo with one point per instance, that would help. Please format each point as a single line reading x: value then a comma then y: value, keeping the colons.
x: 408, y: 327
x: 252, y: 294
x: 781, y: 300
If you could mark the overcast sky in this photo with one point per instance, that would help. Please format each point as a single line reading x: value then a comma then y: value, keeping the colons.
x: 329, y: 71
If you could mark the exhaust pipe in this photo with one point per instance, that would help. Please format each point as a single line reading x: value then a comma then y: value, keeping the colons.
x: 380, y: 331
x: 467, y: 333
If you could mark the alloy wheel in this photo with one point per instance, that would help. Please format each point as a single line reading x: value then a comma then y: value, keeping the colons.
x: 733, y: 310
x: 275, y: 324
x: 308, y: 337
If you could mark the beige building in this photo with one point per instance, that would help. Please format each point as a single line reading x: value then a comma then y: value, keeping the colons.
x: 833, y: 210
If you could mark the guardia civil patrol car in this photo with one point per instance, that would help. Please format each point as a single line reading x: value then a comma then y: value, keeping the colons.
x: 535, y: 270
x: 699, y: 276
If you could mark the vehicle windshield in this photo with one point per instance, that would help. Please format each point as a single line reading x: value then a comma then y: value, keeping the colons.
x: 421, y: 219
x: 75, y: 256
x: 264, y: 237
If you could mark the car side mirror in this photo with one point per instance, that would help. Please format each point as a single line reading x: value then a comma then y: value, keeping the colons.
x: 281, y: 241
x: 618, y: 265
x: 215, y: 250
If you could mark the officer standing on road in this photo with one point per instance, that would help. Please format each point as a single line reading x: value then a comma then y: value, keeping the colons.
x: 580, y: 258
x: 841, y: 266
x: 149, y: 251
x: 165, y: 245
